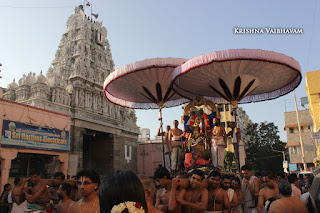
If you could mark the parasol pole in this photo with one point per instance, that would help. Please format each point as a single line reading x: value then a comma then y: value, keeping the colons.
x: 236, y: 145
x: 161, y: 129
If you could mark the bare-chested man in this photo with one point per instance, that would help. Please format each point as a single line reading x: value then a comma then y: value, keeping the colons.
x: 163, y: 183
x: 59, y: 177
x: 268, y: 194
x: 18, y: 197
x: 218, y: 144
x: 64, y: 193
x: 286, y: 203
x: 226, y: 185
x: 149, y: 189
x: 281, y: 176
x: 175, y: 206
x: 88, y: 182
x: 167, y: 145
x: 175, y: 137
x: 292, y: 178
x: 250, y: 188
x: 238, y: 143
x: 218, y: 200
x: 236, y: 186
x: 37, y: 194
x: 194, y: 198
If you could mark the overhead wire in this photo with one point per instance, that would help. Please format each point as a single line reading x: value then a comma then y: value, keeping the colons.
x: 33, y: 7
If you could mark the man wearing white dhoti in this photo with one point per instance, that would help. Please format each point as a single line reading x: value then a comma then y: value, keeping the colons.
x: 175, y: 137
x: 218, y: 144
x: 238, y: 143
x: 19, y: 203
x: 167, y: 146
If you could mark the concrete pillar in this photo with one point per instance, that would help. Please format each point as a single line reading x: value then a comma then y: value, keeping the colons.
x: 7, y: 155
x: 64, y: 159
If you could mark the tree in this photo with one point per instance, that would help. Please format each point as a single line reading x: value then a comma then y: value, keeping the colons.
x: 261, y: 140
x: 229, y: 161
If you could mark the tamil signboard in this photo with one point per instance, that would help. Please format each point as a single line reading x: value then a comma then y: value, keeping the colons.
x: 20, y: 135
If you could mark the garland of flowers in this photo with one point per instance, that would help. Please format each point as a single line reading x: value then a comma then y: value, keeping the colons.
x: 132, y: 207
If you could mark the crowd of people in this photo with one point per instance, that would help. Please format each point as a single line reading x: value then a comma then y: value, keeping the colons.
x: 186, y: 192
x: 226, y: 192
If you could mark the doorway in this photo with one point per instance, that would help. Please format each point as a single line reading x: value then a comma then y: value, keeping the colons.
x: 24, y: 162
x: 98, y: 151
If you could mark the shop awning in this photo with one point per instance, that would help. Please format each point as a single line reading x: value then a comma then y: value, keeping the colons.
x: 290, y: 144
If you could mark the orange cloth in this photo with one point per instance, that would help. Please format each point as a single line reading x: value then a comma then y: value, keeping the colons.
x: 189, y: 161
x: 207, y: 124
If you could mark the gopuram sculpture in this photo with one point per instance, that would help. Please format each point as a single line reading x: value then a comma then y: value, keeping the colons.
x: 73, y: 85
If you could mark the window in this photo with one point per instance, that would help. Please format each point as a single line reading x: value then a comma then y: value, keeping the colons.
x: 220, y: 109
x: 291, y: 130
x: 227, y: 107
x: 301, y: 129
x: 309, y: 127
x: 295, y: 149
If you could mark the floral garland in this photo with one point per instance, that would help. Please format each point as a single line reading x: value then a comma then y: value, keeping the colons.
x: 133, y: 207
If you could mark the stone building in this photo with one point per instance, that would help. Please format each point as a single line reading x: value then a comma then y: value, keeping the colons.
x: 293, y: 139
x: 243, y: 121
x: 103, y: 135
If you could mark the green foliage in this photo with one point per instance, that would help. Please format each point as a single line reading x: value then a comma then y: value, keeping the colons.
x: 228, y: 161
x: 261, y: 140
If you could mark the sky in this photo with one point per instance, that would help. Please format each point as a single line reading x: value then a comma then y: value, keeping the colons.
x: 30, y: 31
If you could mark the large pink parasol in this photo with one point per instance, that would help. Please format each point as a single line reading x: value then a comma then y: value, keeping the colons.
x: 237, y: 76
x: 144, y: 85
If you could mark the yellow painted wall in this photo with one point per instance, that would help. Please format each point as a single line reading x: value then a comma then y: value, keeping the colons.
x: 225, y: 117
x: 313, y: 91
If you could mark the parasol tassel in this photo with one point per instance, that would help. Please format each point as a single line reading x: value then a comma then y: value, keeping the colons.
x: 160, y: 115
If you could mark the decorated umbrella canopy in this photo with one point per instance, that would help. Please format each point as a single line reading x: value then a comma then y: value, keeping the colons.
x: 144, y: 85
x: 237, y: 76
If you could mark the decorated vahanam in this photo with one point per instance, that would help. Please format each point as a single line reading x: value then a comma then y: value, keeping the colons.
x: 144, y: 85
x: 198, y: 118
x: 237, y: 76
